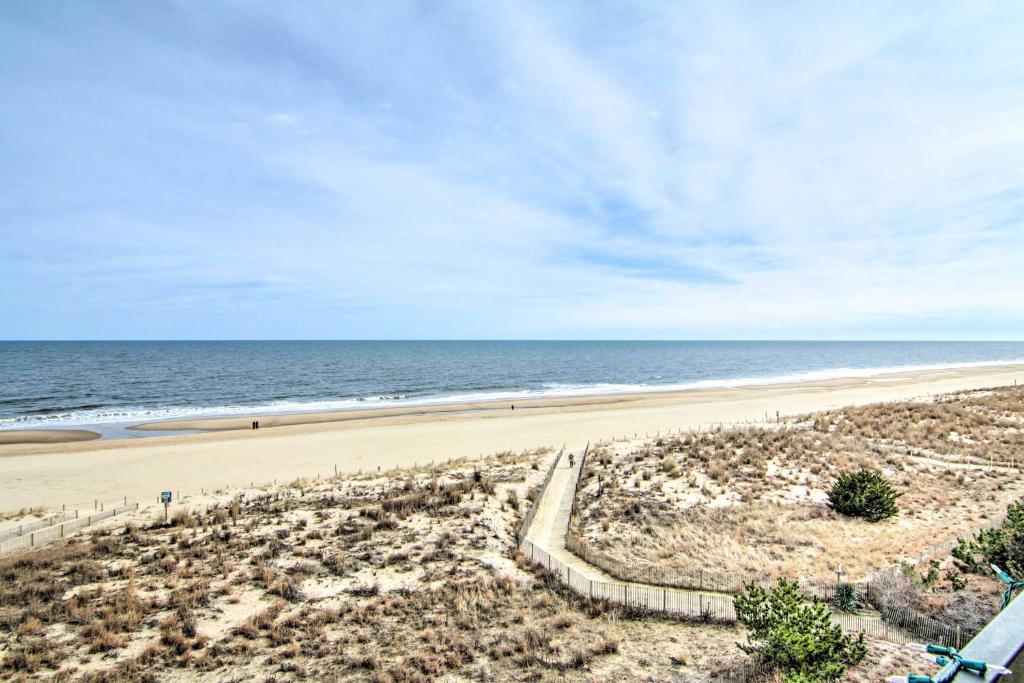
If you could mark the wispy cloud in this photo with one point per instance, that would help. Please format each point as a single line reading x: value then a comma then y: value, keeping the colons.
x: 511, y: 170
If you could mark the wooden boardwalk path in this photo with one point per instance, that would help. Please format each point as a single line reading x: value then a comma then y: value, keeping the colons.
x: 544, y: 541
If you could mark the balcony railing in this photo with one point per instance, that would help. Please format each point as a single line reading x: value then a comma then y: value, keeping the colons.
x: 1000, y: 642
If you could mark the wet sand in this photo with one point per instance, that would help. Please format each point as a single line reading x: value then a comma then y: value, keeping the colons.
x: 547, y: 405
x: 291, y: 446
x: 46, y: 436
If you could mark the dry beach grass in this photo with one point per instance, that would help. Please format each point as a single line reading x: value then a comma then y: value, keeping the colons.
x: 409, y: 575
x: 405, y: 576
x: 753, y: 501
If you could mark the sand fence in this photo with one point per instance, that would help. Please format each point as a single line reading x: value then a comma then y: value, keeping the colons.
x: 40, y: 532
x: 591, y: 582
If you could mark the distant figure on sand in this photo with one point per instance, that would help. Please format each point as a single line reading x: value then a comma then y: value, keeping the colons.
x: 513, y: 406
x: 255, y: 424
x: 571, y: 460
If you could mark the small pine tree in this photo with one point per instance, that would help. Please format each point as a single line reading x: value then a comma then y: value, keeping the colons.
x: 795, y: 635
x: 864, y: 493
x: 1003, y: 546
x: 797, y: 677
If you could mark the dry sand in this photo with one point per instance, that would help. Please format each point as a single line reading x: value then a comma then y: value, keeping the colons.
x: 51, y: 474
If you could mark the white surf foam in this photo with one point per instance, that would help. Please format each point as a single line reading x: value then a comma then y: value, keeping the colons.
x: 136, y: 415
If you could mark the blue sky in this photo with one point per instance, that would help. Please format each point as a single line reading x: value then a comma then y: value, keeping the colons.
x: 511, y: 170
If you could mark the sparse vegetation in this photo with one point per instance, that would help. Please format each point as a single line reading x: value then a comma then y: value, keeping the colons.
x: 730, y: 504
x: 407, y: 576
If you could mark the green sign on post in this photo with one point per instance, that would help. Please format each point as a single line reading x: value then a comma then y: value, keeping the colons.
x: 165, y: 498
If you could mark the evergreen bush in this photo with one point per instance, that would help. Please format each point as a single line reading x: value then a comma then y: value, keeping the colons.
x: 795, y: 635
x: 864, y: 493
x: 1002, y: 546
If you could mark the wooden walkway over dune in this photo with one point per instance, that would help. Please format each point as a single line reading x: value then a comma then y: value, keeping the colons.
x: 543, y: 538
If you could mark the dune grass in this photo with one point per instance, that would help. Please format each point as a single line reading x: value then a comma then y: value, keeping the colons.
x: 754, y: 500
x: 406, y: 576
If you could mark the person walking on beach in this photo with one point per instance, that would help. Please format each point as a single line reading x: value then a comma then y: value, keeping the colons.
x: 253, y: 424
x: 571, y: 460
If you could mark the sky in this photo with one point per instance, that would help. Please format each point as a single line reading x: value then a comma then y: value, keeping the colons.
x: 523, y: 170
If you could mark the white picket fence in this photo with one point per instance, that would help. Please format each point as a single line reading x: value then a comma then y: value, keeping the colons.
x: 33, y: 538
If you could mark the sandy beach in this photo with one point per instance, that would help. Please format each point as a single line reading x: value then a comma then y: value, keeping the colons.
x: 230, y: 454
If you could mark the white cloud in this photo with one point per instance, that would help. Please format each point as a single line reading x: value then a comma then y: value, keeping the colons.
x: 786, y: 171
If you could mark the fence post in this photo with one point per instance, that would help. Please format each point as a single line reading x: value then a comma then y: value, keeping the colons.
x: 62, y: 531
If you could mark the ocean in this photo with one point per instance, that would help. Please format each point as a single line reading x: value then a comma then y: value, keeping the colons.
x: 98, y: 383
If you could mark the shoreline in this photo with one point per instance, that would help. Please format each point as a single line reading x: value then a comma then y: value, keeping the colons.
x: 270, y: 419
x: 52, y: 474
x: 439, y: 407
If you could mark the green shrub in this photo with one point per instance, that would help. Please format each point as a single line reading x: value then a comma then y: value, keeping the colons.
x: 864, y: 493
x: 931, y: 578
x: 797, y: 677
x: 794, y: 635
x: 847, y: 598
x: 922, y: 580
x: 956, y: 580
x: 1015, y: 517
x: 1002, y: 546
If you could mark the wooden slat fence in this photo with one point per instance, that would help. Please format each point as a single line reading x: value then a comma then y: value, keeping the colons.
x: 703, y: 602
x: 27, y: 527
x: 36, y: 538
x: 700, y: 580
x: 535, y: 505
